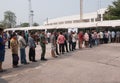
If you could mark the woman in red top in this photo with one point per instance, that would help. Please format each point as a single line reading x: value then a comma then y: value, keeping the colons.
x: 61, y: 40
x: 80, y: 39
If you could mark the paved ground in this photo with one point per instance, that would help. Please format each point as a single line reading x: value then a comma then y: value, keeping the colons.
x: 97, y: 65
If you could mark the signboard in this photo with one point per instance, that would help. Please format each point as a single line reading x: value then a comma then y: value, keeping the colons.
x: 73, y: 29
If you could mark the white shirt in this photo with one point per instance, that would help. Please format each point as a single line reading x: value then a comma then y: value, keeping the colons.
x: 113, y: 34
x: 21, y: 42
x: 101, y: 35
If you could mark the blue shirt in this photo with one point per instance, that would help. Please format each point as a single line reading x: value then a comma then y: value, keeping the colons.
x: 2, y: 46
x: 31, y: 42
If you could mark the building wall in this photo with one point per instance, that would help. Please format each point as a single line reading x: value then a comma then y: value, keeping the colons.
x: 89, y: 17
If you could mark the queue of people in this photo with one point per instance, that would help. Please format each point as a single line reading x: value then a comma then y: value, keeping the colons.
x: 61, y: 42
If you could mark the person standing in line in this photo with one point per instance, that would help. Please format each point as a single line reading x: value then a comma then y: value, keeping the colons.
x: 32, y: 47
x: 70, y: 41
x: 14, y: 49
x: 66, y: 41
x: 80, y: 39
x: 109, y: 36
x: 48, y: 37
x: 95, y: 38
x: 101, y: 37
x: 56, y: 37
x: 43, y: 43
x: 117, y: 36
x: 37, y: 37
x: 113, y: 36
x: 26, y: 36
x: 61, y: 40
x: 53, y: 45
x: 106, y: 37
x: 98, y: 38
x: 5, y: 36
x: 2, y: 49
x: 86, y: 38
x: 9, y: 34
x: 22, y: 45
x: 74, y: 40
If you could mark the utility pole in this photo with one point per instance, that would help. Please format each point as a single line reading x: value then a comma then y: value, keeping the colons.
x: 81, y: 10
x: 30, y: 14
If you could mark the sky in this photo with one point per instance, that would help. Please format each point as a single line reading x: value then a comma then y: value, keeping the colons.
x: 44, y: 9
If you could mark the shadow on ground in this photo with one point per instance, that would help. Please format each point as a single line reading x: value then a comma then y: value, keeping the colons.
x: 3, y: 81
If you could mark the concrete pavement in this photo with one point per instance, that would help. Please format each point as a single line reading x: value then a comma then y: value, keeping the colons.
x: 97, y: 65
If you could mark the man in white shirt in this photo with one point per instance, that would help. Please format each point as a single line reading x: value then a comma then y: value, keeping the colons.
x: 113, y: 36
x: 22, y: 45
x: 101, y: 37
x: 48, y: 36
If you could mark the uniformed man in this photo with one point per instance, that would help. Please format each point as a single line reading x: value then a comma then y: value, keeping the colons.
x: 43, y: 43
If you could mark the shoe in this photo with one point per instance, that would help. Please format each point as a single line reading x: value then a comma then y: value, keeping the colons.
x: 43, y: 59
x: 57, y: 53
x: 26, y: 63
x: 55, y: 56
x: 15, y: 66
x: 30, y: 60
x: 34, y: 61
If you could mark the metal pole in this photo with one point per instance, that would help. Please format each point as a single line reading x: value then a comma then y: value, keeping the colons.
x: 30, y: 13
x: 81, y: 10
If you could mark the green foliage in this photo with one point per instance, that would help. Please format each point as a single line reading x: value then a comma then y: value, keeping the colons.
x: 35, y: 24
x: 9, y: 19
x: 113, y: 12
x: 2, y: 24
x: 24, y: 25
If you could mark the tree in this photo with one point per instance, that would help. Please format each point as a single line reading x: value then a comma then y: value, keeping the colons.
x: 9, y: 19
x: 1, y: 25
x: 113, y: 12
x: 35, y: 24
x: 24, y: 25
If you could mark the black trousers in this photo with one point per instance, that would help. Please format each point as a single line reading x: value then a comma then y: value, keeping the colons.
x: 74, y: 45
x: 61, y: 48
x: 66, y: 46
x: 57, y: 49
x: 70, y: 45
x: 15, y: 59
x: 43, y: 47
x: 90, y: 43
x: 9, y: 44
x: 32, y: 54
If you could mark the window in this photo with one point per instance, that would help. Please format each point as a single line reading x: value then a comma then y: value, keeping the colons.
x: 76, y: 21
x: 67, y: 22
x: 61, y: 22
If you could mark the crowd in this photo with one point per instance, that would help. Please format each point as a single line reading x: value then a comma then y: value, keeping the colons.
x: 61, y: 42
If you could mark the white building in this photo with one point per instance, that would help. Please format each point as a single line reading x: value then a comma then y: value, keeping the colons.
x: 89, y: 17
x: 90, y: 20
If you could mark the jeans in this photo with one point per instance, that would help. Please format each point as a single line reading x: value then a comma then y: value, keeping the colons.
x: 22, y: 55
x: 2, y: 55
